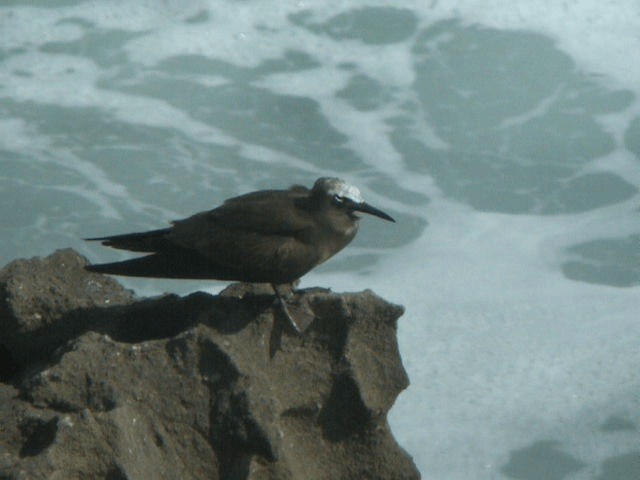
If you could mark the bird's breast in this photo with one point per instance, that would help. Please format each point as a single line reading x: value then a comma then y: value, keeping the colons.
x: 332, y: 243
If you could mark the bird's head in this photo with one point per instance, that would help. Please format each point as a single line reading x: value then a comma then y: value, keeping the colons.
x: 345, y: 198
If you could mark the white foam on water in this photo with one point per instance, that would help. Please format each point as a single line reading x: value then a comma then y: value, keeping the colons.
x: 15, y: 135
x: 71, y: 82
x: 599, y: 36
x: 501, y: 350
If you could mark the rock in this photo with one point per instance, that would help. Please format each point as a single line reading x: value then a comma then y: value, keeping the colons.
x: 45, y: 301
x: 103, y: 385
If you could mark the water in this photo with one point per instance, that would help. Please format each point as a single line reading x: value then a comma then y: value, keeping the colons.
x: 503, y: 136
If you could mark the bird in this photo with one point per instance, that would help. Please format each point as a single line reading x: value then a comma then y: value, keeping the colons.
x: 267, y: 236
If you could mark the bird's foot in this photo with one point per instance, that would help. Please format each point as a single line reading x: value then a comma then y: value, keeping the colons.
x: 292, y: 322
x: 283, y: 306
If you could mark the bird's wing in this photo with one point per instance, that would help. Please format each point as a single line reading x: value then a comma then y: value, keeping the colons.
x: 250, y: 233
x: 258, y: 212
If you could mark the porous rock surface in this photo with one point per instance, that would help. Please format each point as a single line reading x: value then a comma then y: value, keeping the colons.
x: 98, y: 384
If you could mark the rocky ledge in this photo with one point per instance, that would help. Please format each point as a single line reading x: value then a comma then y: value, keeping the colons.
x: 98, y: 384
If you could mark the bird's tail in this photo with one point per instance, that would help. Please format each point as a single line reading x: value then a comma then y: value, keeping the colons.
x: 171, y: 263
x: 154, y: 266
x: 152, y: 241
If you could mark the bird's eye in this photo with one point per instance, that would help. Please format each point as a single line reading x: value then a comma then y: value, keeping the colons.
x: 338, y: 200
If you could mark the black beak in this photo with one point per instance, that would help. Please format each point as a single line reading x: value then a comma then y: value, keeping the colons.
x: 364, y: 207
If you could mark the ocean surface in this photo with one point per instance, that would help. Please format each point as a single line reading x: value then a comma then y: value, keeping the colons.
x: 504, y: 137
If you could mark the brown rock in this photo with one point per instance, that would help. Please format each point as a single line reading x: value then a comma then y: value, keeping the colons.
x: 44, y: 301
x: 195, y: 387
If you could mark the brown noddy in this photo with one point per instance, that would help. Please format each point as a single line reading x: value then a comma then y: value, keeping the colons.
x: 268, y: 236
